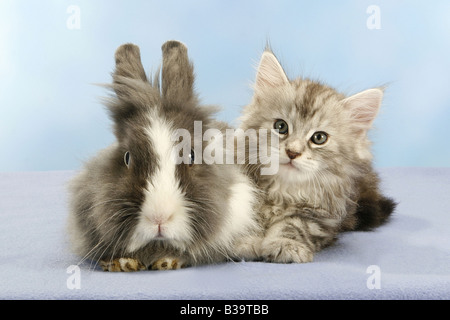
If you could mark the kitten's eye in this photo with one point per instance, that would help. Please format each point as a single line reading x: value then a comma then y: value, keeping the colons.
x: 126, y: 158
x: 319, y: 137
x: 191, y: 158
x: 281, y: 125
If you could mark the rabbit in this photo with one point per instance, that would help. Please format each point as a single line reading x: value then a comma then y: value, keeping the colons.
x: 132, y: 207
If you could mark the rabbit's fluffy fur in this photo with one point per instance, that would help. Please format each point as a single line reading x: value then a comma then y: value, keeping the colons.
x: 132, y: 207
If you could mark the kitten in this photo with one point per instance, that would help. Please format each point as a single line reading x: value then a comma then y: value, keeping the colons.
x: 325, y: 183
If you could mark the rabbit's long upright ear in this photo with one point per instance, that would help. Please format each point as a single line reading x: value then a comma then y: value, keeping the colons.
x: 130, y: 81
x: 128, y: 63
x: 177, y: 74
x: 134, y: 95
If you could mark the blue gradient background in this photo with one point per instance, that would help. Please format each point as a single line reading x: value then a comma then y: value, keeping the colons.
x: 51, y: 117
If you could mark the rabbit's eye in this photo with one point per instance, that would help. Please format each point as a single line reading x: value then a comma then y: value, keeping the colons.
x: 191, y: 158
x: 126, y: 158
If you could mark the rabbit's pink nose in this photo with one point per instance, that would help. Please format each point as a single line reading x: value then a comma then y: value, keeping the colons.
x: 159, y: 232
x: 159, y: 219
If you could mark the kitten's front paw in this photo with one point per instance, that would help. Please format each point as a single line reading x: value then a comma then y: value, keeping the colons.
x: 122, y: 264
x: 168, y: 264
x: 247, y: 249
x: 285, y: 251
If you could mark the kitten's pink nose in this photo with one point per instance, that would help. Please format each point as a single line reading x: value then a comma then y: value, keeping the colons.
x: 292, y: 154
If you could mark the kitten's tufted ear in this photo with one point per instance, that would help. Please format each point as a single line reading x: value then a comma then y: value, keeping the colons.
x: 364, y: 108
x: 270, y: 73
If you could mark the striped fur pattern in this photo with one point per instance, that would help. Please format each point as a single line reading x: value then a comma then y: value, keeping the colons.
x: 325, y: 183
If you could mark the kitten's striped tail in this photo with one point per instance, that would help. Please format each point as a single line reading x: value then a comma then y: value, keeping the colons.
x: 372, y: 213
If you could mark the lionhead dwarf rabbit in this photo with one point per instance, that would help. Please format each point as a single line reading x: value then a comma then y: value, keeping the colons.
x: 132, y: 206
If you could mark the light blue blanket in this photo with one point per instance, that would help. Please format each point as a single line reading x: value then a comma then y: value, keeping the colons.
x: 408, y: 258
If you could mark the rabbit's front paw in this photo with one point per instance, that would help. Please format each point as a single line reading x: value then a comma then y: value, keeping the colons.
x: 286, y: 251
x: 122, y: 264
x: 168, y: 264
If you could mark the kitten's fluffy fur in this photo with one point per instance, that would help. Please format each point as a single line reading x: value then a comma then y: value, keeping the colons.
x: 320, y: 189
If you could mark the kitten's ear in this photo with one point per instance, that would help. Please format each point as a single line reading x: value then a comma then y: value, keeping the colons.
x: 270, y: 73
x: 364, y: 108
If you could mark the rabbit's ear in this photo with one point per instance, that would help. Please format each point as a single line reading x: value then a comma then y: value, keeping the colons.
x: 177, y: 74
x: 128, y: 63
x: 134, y: 94
x: 130, y: 81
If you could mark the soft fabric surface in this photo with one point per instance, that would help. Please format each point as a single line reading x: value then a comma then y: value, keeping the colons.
x: 411, y: 253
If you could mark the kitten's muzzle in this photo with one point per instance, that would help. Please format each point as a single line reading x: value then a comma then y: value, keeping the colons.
x: 292, y: 154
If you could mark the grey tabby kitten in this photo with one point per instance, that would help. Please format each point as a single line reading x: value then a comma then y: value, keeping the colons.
x: 325, y: 183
